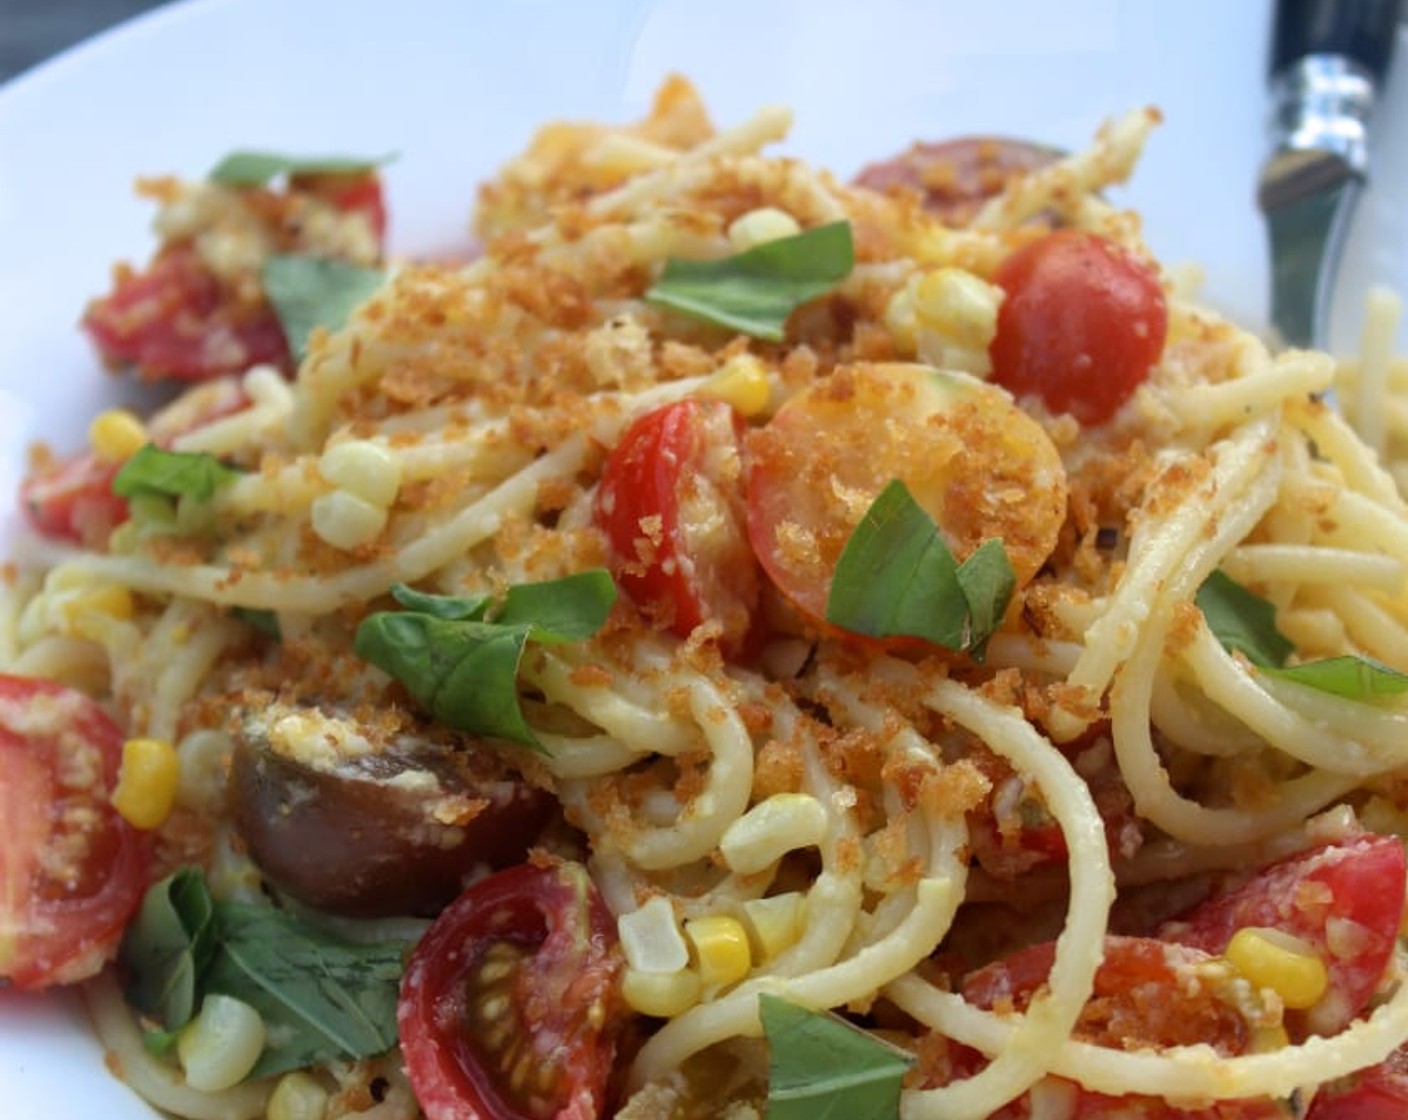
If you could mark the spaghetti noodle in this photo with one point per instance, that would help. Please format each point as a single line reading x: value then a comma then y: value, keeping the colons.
x: 887, y: 823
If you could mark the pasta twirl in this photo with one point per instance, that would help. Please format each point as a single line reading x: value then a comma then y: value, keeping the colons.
x: 736, y: 588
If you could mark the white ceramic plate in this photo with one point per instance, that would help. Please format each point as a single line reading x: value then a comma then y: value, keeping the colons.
x: 456, y: 86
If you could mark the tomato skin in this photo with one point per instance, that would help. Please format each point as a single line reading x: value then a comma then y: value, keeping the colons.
x: 1082, y: 323
x: 176, y: 320
x: 72, y: 871
x: 1359, y: 880
x: 72, y: 499
x: 1377, y: 1093
x: 955, y: 177
x: 671, y: 504
x: 561, y: 993
x: 1146, y: 994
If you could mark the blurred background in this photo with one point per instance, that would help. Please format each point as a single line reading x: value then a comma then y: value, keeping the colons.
x: 32, y: 30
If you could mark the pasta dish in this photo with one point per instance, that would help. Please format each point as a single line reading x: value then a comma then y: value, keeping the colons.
x: 741, y: 644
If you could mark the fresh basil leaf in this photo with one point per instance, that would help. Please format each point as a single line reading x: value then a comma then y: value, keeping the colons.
x: 462, y: 668
x: 168, y: 946
x: 822, y: 1068
x: 1243, y: 621
x: 453, y: 608
x: 1358, y: 678
x: 897, y: 578
x: 988, y: 583
x: 266, y: 622
x: 155, y: 473
x: 254, y: 168
x: 321, y: 998
x: 756, y: 290
x: 312, y: 292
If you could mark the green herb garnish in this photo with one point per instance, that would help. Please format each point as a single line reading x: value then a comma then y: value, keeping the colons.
x: 756, y: 290
x: 897, y: 578
x: 254, y: 169
x: 322, y: 998
x: 1245, y: 622
x: 155, y: 473
x: 458, y: 657
x: 266, y: 622
x: 822, y: 1068
x: 312, y: 292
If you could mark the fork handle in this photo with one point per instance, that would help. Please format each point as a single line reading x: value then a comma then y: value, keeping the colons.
x: 1362, y: 31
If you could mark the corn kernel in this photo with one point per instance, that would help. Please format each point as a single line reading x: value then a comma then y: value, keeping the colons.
x: 757, y: 227
x: 742, y: 381
x: 146, y: 782
x: 84, y: 613
x: 651, y: 938
x: 1271, y: 958
x: 959, y: 305
x: 775, y: 922
x: 117, y: 435
x: 771, y: 829
x: 661, y: 994
x: 345, y: 521
x: 220, y: 1045
x: 363, y: 468
x: 298, y: 1096
x: 720, y: 948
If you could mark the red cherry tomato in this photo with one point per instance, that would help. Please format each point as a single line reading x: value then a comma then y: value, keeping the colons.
x: 1345, y: 900
x: 955, y: 177
x: 671, y: 504
x: 1081, y: 326
x: 1378, y: 1093
x: 71, y: 870
x: 507, y: 1007
x: 72, y: 499
x: 1147, y: 993
x: 177, y: 320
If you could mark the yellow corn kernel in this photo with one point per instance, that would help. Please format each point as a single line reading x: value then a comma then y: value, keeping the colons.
x: 959, y: 305
x: 298, y: 1096
x: 742, y: 381
x: 757, y: 227
x: 651, y: 939
x: 364, y: 468
x: 117, y: 435
x: 1270, y: 958
x: 721, y: 949
x: 220, y: 1045
x: 146, y: 782
x: 775, y: 922
x: 345, y: 520
x: 1264, y: 1040
x: 771, y: 829
x: 661, y: 994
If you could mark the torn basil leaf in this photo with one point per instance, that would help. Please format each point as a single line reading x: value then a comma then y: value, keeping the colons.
x: 822, y: 1068
x: 255, y: 168
x: 756, y: 290
x: 459, y: 657
x: 321, y: 998
x: 312, y: 292
x: 1243, y: 621
x: 155, y: 473
x: 266, y: 622
x: 897, y: 578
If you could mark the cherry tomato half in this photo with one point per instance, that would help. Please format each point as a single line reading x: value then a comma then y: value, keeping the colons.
x: 1355, y: 885
x: 977, y: 464
x: 955, y: 177
x: 177, y: 320
x: 671, y: 504
x: 507, y: 1007
x: 71, y: 870
x: 72, y: 499
x: 1147, y: 993
x: 1081, y: 326
x: 1377, y: 1093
